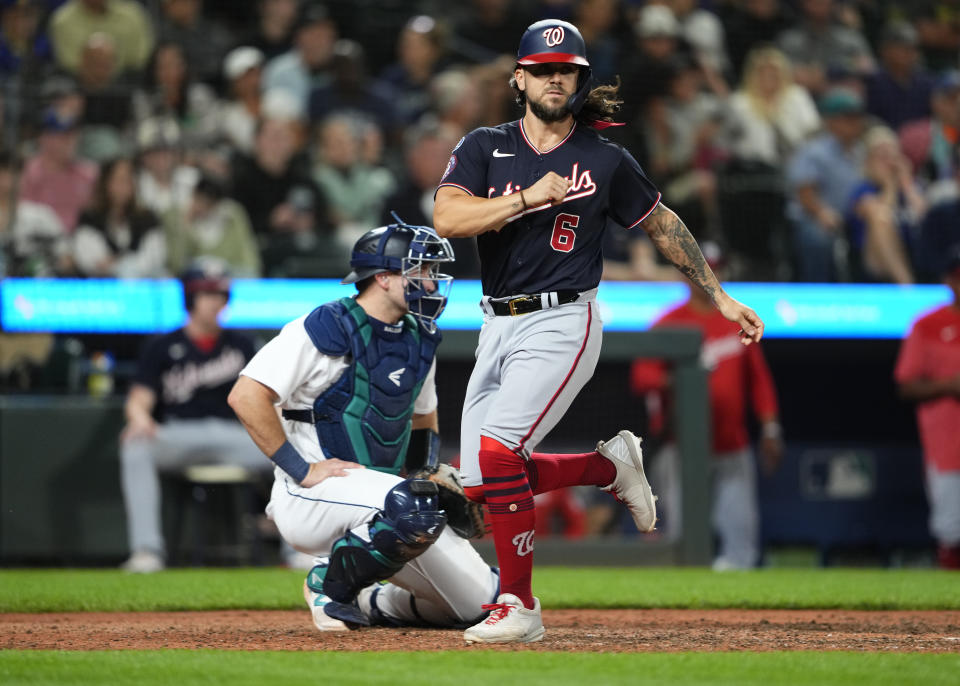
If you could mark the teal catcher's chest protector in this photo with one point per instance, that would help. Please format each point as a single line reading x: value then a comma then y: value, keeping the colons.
x: 365, y: 416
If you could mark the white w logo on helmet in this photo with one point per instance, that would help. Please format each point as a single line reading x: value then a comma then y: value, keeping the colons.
x: 553, y: 36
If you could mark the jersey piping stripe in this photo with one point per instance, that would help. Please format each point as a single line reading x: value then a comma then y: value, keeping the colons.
x: 563, y: 385
x: 466, y: 190
x: 546, y: 152
x: 656, y: 202
x: 324, y: 500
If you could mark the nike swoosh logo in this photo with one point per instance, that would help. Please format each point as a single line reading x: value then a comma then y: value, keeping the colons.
x: 497, y: 153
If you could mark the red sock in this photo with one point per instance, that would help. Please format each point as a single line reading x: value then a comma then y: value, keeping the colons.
x: 547, y: 472
x: 510, y: 504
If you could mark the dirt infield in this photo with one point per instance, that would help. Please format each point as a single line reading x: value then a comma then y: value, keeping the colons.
x: 567, y: 630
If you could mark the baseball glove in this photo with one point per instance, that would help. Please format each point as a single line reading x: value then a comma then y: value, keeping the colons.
x: 464, y: 516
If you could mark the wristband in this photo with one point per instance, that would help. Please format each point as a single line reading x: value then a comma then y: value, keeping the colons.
x: 524, y: 201
x: 288, y: 459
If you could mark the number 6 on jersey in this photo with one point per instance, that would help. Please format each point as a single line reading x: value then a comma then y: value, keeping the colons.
x: 563, y: 232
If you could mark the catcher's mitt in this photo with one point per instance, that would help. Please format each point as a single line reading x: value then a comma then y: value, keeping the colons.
x: 464, y: 516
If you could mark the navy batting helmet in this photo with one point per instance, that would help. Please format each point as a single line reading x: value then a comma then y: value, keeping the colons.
x: 414, y: 251
x: 204, y: 275
x: 551, y: 41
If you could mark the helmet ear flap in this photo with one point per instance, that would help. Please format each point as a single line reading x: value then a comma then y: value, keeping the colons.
x: 587, y: 82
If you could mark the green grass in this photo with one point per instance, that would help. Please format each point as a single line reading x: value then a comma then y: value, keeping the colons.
x: 484, y: 667
x: 65, y: 590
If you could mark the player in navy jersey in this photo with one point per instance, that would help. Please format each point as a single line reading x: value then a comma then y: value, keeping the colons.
x: 177, y: 412
x: 538, y: 193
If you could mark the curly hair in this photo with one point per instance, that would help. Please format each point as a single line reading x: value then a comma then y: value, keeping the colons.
x: 602, y: 102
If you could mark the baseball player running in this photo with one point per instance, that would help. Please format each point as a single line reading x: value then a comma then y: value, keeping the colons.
x: 537, y: 193
x: 354, y: 380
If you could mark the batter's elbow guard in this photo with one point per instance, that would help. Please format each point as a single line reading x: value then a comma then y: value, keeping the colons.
x: 423, y: 450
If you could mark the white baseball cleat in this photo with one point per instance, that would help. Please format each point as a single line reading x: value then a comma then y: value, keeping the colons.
x: 143, y: 562
x: 630, y: 485
x: 316, y: 602
x: 509, y: 622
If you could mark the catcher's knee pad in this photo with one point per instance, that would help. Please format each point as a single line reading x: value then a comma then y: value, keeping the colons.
x: 410, y: 523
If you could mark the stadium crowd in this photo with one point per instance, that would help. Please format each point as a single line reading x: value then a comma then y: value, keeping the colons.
x: 815, y: 139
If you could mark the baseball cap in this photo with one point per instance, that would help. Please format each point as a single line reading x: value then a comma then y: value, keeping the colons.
x: 841, y: 101
x: 947, y: 81
x: 657, y: 20
x: 899, y: 32
x: 54, y: 120
x: 241, y: 60
x: 312, y: 13
x: 951, y: 266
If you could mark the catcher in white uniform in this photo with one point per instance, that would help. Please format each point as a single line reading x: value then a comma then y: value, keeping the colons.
x: 354, y: 381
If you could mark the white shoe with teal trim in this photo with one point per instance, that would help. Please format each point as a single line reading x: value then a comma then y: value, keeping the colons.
x: 509, y: 622
x: 630, y: 485
x: 316, y: 602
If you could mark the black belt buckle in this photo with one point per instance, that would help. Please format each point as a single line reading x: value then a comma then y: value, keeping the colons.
x: 512, y: 305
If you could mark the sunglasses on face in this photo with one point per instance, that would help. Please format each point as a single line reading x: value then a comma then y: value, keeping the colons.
x: 550, y: 68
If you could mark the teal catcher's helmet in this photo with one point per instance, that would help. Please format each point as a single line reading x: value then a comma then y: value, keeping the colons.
x: 416, y: 252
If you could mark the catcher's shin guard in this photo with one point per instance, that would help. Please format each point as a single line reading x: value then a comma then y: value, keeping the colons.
x: 410, y: 523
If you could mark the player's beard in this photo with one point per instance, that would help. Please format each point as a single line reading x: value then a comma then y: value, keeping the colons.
x: 548, y: 114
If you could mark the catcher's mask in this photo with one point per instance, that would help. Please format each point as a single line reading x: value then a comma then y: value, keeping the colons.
x: 413, y: 251
x: 553, y: 40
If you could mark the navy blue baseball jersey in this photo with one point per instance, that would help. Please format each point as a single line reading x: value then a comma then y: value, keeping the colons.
x: 549, y: 248
x: 191, y: 383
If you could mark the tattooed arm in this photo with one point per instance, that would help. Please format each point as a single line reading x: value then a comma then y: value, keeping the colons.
x: 675, y: 243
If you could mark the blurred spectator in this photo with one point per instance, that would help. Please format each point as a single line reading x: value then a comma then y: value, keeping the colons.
x: 170, y: 91
x: 739, y: 378
x: 928, y: 373
x: 350, y: 89
x: 420, y: 55
x: 885, y: 212
x: 929, y: 143
x: 940, y: 231
x: 681, y: 134
x: 275, y: 28
x: 354, y: 190
x: 125, y: 21
x: 54, y: 176
x: 203, y: 42
x: 285, y: 206
x: 821, y: 178
x: 21, y: 41
x: 769, y: 115
x: 753, y: 23
x: 427, y: 148
x: 456, y: 99
x: 647, y: 71
x: 486, y: 29
x: 177, y: 413
x: 242, y: 69
x: 115, y: 236
x: 899, y: 91
x: 33, y: 235
x: 938, y: 25
x: 213, y: 226
x: 106, y: 111
x: 703, y: 31
x: 596, y: 20
x: 164, y: 183
x: 497, y: 101
x: 307, y: 66
x: 819, y: 45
